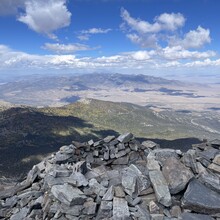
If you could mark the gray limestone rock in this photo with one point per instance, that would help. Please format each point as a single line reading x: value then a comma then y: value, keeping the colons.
x: 121, y: 146
x: 217, y: 159
x: 62, y: 158
x: 143, y: 212
x: 149, y: 144
x: 189, y: 159
x: 129, y: 180
x: 50, y: 180
x: 215, y: 143
x: 175, y: 211
x: 160, y: 187
x: 124, y: 138
x: 153, y: 207
x: 33, y: 174
x: 209, y: 154
x: 41, y: 166
x: 89, y: 208
x: 121, y: 153
x: 120, y: 209
x: 212, y: 181
x: 176, y: 175
x: 157, y: 216
x: 105, y: 210
x: 214, y: 167
x: 91, y: 142
x: 201, y: 199
x: 106, y: 155
x: 119, y: 192
x: 109, y: 194
x: 121, y: 161
x: 61, y: 172
x: 152, y: 163
x: 74, y: 210
x: 108, y: 139
x: 10, y: 202
x: 68, y: 194
x: 162, y: 155
x: 114, y: 177
x: 81, y: 167
x: 97, y: 188
x: 193, y: 216
x: 79, y: 178
x: 67, y: 149
x: 20, y: 215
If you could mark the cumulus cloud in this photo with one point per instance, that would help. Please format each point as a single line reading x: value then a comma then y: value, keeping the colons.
x: 10, y: 7
x: 162, y: 22
x: 45, y: 17
x: 65, y: 48
x: 193, y: 39
x: 85, y: 34
x: 144, y: 42
x: 140, y: 55
x: 169, y: 58
x: 204, y: 63
x: 171, y: 21
x: 178, y: 53
x: 145, y: 33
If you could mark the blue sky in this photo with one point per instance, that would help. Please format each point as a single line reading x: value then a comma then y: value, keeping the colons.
x: 156, y: 37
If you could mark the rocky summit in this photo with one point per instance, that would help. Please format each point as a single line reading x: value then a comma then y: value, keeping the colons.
x: 119, y: 178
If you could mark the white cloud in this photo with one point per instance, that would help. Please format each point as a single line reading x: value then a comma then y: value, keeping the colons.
x: 10, y: 7
x: 178, y: 53
x: 85, y: 34
x: 135, y: 61
x: 144, y: 42
x: 141, y: 55
x: 83, y: 37
x: 204, y: 63
x: 146, y: 34
x: 46, y: 16
x: 193, y: 39
x: 163, y: 22
x: 171, y: 21
x: 96, y: 31
x: 65, y: 48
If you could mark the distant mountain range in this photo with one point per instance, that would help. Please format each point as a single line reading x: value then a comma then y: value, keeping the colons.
x: 27, y: 134
x: 41, y: 90
x: 55, y: 90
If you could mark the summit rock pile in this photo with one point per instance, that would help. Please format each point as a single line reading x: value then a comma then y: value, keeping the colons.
x: 119, y: 179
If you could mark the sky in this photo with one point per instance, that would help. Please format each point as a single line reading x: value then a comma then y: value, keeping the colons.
x: 154, y: 37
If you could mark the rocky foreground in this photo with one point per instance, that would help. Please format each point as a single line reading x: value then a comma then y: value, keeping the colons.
x: 119, y: 178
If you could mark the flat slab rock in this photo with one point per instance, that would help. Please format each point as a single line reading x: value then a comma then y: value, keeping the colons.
x: 176, y: 174
x: 192, y: 216
x: 201, y: 199
x: 125, y: 137
x: 160, y: 187
x: 120, y: 209
x: 68, y: 195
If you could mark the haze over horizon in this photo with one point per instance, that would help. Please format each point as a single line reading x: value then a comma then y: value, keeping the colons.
x: 175, y: 38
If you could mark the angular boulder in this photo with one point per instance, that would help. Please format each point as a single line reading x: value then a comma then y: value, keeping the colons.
x: 176, y: 174
x: 68, y: 195
x: 193, y: 216
x: 201, y: 199
x: 120, y: 209
x: 160, y: 187
x: 124, y: 138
